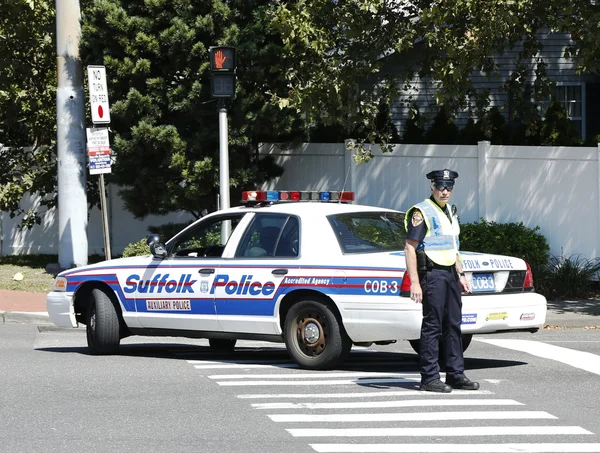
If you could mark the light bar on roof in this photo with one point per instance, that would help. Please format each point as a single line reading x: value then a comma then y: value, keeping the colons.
x: 262, y: 196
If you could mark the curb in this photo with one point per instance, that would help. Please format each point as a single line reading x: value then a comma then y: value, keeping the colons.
x: 24, y: 317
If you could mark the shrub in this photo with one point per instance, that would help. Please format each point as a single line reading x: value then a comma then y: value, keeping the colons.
x: 138, y: 248
x: 568, y: 278
x: 443, y: 131
x: 513, y: 239
x: 557, y: 128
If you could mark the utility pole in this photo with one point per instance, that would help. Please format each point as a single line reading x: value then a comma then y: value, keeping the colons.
x: 70, y: 138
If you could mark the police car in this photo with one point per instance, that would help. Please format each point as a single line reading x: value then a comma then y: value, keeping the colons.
x: 305, y: 268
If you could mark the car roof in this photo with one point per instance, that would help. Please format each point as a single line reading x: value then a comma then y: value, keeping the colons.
x: 308, y: 207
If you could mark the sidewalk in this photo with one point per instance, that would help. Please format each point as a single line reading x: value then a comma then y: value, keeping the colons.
x: 19, y: 306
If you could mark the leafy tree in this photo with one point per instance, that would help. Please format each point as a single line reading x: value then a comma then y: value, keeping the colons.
x: 443, y: 131
x: 557, y: 129
x: 164, y: 120
x: 337, y: 46
x: 27, y: 105
x: 414, y: 127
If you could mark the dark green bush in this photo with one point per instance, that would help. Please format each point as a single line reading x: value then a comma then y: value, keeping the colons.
x: 443, y: 130
x: 138, y: 248
x: 568, y: 278
x: 557, y: 128
x: 512, y: 239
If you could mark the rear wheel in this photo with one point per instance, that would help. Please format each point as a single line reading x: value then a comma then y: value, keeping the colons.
x: 222, y: 344
x: 103, y: 327
x: 315, y: 337
x: 466, y: 341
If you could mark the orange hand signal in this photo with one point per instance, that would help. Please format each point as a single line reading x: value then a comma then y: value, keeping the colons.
x: 219, y: 59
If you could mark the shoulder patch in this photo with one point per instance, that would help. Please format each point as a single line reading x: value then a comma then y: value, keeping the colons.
x: 417, y: 218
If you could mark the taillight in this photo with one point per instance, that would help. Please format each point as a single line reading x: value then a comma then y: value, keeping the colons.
x: 405, y: 285
x: 528, y: 283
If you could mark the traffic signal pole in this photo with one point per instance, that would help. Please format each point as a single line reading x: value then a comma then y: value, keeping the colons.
x: 70, y: 139
x: 223, y: 156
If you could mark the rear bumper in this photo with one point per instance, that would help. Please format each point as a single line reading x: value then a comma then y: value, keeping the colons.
x: 498, y: 312
x: 399, y: 318
x: 60, y: 309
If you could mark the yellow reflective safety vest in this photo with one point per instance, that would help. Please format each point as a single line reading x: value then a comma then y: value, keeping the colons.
x: 441, y: 242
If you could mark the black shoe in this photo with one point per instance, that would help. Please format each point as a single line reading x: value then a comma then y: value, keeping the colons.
x: 463, y: 383
x: 436, y: 386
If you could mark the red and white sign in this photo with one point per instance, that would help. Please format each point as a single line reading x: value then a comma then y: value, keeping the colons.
x: 98, y: 94
x: 98, y: 146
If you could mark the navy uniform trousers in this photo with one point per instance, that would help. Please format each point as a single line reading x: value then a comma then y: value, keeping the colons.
x: 442, y: 316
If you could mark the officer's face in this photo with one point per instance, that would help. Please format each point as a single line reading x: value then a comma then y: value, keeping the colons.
x: 441, y: 196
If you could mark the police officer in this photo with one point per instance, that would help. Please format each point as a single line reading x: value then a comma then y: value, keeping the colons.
x: 434, y: 267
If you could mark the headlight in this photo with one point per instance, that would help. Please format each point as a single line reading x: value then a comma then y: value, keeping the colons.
x: 60, y: 284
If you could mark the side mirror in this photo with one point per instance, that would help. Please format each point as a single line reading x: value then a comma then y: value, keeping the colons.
x: 156, y: 247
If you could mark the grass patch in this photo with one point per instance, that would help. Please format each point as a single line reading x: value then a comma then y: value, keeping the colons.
x: 33, y: 268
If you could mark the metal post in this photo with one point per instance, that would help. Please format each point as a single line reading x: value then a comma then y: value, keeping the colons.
x: 224, y: 169
x: 70, y: 137
x: 107, y: 253
x: 223, y: 156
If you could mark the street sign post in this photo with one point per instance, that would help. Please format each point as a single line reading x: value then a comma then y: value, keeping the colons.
x: 98, y: 146
x: 98, y: 94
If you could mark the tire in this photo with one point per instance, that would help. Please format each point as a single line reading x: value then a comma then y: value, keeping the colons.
x: 466, y: 341
x: 314, y: 336
x: 103, y: 326
x: 222, y: 344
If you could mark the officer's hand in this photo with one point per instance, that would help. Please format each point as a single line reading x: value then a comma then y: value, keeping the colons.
x: 416, y: 293
x: 464, y: 283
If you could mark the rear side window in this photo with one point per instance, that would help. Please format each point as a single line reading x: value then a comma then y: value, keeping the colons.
x: 369, y: 232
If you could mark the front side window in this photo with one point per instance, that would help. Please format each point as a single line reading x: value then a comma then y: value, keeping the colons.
x: 369, y: 232
x: 207, y: 239
x: 270, y: 235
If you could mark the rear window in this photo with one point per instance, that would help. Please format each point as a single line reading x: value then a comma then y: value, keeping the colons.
x: 369, y: 232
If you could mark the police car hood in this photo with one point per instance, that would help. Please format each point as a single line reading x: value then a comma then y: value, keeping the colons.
x: 120, y: 262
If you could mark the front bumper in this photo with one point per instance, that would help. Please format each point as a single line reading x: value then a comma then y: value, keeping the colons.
x: 60, y: 309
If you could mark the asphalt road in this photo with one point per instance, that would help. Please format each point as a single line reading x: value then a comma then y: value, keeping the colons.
x: 539, y: 391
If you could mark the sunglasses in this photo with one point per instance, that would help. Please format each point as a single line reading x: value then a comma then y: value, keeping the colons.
x: 442, y: 186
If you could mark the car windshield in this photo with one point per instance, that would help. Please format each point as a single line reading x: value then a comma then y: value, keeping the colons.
x: 369, y: 232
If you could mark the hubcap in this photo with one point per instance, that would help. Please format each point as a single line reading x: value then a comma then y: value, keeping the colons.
x: 312, y: 333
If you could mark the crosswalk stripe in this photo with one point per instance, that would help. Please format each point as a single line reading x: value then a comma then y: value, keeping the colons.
x: 578, y: 359
x: 318, y: 382
x: 458, y: 448
x: 313, y: 375
x: 401, y: 403
x: 411, y: 416
x: 451, y: 431
x: 380, y: 394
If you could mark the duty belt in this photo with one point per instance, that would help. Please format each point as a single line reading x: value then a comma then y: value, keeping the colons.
x: 424, y: 264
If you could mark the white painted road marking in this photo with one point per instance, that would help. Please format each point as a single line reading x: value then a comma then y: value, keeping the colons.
x: 403, y: 403
x: 432, y: 431
x: 379, y: 394
x: 578, y: 359
x: 456, y: 448
x: 319, y: 383
x: 412, y: 416
x: 312, y: 375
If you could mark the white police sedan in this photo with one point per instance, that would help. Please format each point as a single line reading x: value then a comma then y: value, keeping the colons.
x: 305, y: 268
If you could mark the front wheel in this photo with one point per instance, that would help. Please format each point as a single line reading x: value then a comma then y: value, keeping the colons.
x: 103, y: 327
x: 315, y: 337
x: 466, y: 341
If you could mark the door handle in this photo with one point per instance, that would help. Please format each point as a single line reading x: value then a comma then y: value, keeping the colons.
x: 279, y: 271
x: 206, y: 271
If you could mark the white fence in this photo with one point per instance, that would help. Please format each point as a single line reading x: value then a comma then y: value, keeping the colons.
x: 555, y: 188
x: 123, y: 227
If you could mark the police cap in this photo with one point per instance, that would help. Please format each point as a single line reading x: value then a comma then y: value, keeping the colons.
x: 444, y: 176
